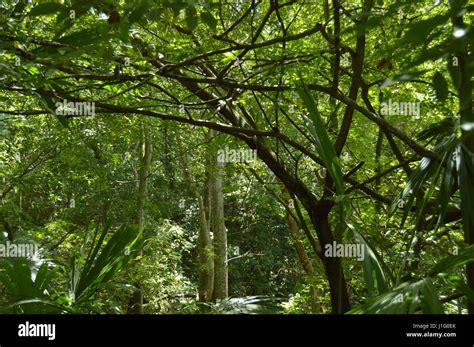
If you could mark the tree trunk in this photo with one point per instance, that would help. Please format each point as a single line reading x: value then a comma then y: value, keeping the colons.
x: 332, y: 265
x: 205, y: 268
x: 467, y: 119
x: 305, y: 262
x: 219, y: 231
x: 206, y: 257
x: 136, y: 301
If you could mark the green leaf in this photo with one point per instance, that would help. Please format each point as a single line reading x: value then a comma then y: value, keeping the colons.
x: 404, y: 77
x: 63, y: 120
x: 440, y: 86
x: 427, y: 170
x: 445, y: 190
x: 154, y: 14
x: 407, y: 298
x: 103, y: 261
x: 426, y: 54
x: 454, y: 71
x: 191, y: 18
x: 465, y: 256
x: 42, y: 301
x: 137, y: 13
x: 83, y: 37
x: 373, y: 264
x: 47, y: 8
x: 418, y: 32
x: 51, y: 107
x: 19, y: 8
x: 437, y: 130
x: 323, y: 143
x: 209, y: 19
x: 430, y: 303
x: 327, y: 152
x: 463, y: 288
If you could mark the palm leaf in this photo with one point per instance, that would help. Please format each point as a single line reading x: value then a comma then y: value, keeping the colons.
x: 373, y: 264
x: 465, y: 168
x: 103, y: 261
x: 409, y: 297
x: 465, y: 256
x: 428, y: 171
x: 323, y: 143
x: 326, y: 151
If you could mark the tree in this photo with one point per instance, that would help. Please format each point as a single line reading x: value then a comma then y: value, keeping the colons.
x: 136, y: 301
x: 219, y: 231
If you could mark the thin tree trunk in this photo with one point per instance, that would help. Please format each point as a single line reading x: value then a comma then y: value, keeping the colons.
x: 136, y: 301
x: 219, y: 231
x: 378, y: 168
x: 305, y: 262
x: 206, y: 257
